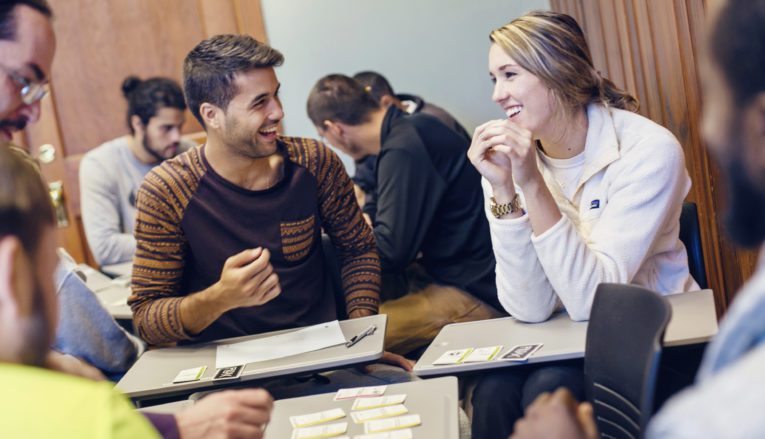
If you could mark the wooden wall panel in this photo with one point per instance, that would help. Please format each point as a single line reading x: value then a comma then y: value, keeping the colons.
x: 99, y: 43
x: 652, y: 49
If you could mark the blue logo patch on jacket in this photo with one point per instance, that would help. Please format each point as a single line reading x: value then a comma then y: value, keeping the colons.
x: 594, y: 204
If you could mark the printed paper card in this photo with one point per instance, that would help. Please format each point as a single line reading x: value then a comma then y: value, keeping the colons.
x: 317, y: 418
x: 378, y: 413
x: 452, y: 357
x: 329, y: 430
x: 360, y: 392
x: 375, y: 402
x: 382, y: 425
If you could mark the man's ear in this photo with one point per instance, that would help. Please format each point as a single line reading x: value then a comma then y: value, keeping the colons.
x: 387, y: 100
x: 336, y: 128
x: 754, y: 137
x: 12, y: 265
x: 212, y: 115
x: 137, y: 125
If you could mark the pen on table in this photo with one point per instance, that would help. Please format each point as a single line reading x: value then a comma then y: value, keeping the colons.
x: 357, y: 338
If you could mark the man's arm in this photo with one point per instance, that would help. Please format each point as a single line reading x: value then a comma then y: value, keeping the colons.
x: 409, y: 192
x: 163, y: 313
x: 350, y: 234
x: 100, y: 207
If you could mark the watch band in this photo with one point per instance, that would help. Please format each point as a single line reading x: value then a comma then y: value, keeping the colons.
x: 500, y: 210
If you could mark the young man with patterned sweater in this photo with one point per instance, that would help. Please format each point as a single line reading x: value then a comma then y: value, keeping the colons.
x: 228, y: 234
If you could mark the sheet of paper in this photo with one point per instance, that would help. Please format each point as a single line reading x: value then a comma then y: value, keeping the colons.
x: 304, y: 340
x: 378, y: 413
x: 360, y: 392
x: 380, y: 401
x: 382, y: 425
x: 396, y: 434
x: 328, y: 430
x: 482, y: 354
x: 317, y: 418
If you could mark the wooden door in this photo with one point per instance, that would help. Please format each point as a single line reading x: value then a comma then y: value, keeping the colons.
x: 652, y: 49
x: 99, y: 43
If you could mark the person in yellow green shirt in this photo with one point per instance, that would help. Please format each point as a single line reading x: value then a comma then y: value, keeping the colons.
x: 38, y: 402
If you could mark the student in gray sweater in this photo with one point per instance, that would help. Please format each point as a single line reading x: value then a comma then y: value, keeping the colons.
x: 111, y: 173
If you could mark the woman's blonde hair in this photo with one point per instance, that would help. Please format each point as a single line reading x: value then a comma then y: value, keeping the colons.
x: 552, y: 47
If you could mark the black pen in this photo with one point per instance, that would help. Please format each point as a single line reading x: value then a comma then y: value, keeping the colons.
x: 357, y: 338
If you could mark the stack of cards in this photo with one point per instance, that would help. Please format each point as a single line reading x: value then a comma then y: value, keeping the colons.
x: 488, y: 353
x: 469, y: 355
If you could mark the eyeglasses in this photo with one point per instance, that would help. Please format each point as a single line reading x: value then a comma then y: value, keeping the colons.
x: 30, y: 91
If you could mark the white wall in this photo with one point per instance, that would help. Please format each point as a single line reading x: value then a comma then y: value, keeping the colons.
x: 434, y: 48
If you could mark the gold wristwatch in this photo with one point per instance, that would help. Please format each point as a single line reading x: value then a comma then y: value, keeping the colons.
x: 500, y: 210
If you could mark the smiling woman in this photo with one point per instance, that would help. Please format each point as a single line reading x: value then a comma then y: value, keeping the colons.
x: 579, y: 190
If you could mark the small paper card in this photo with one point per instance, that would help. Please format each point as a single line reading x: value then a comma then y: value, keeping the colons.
x: 378, y: 413
x: 228, y: 373
x: 360, y: 392
x: 521, y: 352
x: 382, y: 425
x: 453, y: 357
x: 328, y: 430
x: 317, y: 418
x: 396, y: 434
x: 482, y: 354
x: 375, y: 402
x: 193, y: 374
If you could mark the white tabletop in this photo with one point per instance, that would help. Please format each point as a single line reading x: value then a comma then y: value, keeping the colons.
x: 118, y: 270
x: 152, y: 375
x: 435, y: 400
x: 112, y: 293
x: 694, y: 320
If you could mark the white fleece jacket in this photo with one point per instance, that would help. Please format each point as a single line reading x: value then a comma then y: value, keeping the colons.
x: 621, y: 226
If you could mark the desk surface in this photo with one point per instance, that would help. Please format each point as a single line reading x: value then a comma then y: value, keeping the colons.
x: 114, y: 299
x: 118, y: 270
x: 112, y: 293
x: 152, y: 375
x: 435, y: 400
x: 694, y: 320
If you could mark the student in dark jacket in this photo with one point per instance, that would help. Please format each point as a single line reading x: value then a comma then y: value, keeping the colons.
x: 429, y: 224
x: 381, y: 90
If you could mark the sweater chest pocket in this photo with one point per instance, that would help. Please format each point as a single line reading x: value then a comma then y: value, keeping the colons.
x: 297, y: 238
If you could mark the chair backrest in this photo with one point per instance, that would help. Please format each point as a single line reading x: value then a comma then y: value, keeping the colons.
x: 622, y: 356
x: 690, y: 234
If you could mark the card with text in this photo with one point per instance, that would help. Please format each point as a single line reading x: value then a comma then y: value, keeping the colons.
x: 382, y: 425
x: 453, y: 357
x: 320, y: 431
x: 375, y: 402
x: 228, y: 373
x: 193, y: 374
x: 521, y: 352
x: 360, y: 392
x: 482, y: 354
x: 317, y: 418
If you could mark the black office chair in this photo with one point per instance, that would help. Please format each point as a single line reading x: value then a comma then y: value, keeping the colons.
x: 690, y: 234
x: 622, y: 354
